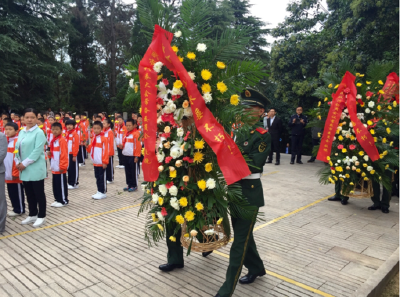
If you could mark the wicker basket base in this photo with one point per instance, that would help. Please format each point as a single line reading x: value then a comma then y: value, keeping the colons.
x: 211, y: 242
x: 363, y: 189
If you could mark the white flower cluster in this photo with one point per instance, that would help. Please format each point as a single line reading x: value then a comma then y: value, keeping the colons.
x: 207, y: 97
x: 173, y: 191
x: 180, y: 132
x: 178, y: 34
x: 174, y: 203
x: 132, y: 83
x: 160, y: 216
x: 163, y: 189
x: 201, y: 47
x: 157, y: 66
x: 209, y: 232
x: 210, y: 184
x: 176, y: 151
x: 170, y: 107
x: 371, y: 104
x: 127, y: 73
x: 160, y: 156
x: 154, y: 198
x: 191, y: 75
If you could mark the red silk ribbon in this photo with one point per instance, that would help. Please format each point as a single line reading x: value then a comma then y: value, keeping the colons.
x: 391, y: 87
x: 346, y: 96
x: 229, y: 157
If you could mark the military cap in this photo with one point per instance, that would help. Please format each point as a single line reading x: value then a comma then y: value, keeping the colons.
x: 254, y: 98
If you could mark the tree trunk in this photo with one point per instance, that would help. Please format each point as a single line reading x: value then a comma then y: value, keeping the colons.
x: 113, y: 70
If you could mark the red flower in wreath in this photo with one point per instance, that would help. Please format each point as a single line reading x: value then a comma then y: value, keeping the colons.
x: 352, y: 146
x: 168, y: 159
x: 164, y: 212
x: 169, y: 185
x: 340, y: 146
x: 165, y: 81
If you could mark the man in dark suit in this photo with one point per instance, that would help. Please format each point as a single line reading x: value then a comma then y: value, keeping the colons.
x: 274, y: 125
x: 297, y: 124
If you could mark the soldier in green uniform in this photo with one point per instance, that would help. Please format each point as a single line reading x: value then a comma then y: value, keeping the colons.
x: 256, y: 145
x: 338, y: 195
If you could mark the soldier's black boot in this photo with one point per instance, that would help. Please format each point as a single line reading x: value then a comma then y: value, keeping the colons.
x: 169, y: 267
x: 250, y: 278
x: 374, y: 207
x: 205, y: 254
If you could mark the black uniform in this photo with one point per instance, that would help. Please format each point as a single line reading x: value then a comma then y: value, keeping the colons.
x: 298, y: 131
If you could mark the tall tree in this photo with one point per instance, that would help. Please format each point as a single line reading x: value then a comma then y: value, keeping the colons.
x: 85, y: 92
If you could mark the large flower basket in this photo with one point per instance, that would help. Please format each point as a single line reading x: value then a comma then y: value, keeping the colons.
x: 362, y: 189
x: 212, y: 242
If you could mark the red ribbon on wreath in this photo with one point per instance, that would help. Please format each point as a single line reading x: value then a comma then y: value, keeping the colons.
x: 345, y: 96
x: 229, y: 157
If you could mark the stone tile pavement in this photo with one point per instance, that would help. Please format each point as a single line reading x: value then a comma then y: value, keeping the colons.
x: 310, y: 246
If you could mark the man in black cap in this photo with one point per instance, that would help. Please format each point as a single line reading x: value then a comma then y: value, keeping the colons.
x: 256, y: 145
x: 297, y: 123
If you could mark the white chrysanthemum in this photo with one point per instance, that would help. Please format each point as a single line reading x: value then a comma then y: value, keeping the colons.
x: 160, y: 157
x: 369, y: 168
x: 207, y: 97
x: 340, y: 128
x: 367, y: 110
x: 143, y: 187
x: 351, y: 124
x: 127, y: 73
x: 180, y: 132
x: 201, y: 47
x: 163, y: 189
x: 160, y: 216
x: 166, y: 109
x: 174, y: 203
x: 157, y: 66
x: 346, y: 111
x: 171, y: 105
x: 210, y: 183
x: 336, y: 164
x: 175, y: 152
x: 154, y: 197
x: 132, y: 83
x: 176, y: 91
x: 191, y: 75
x: 371, y: 104
x: 366, y: 158
x: 209, y: 232
x: 178, y: 34
x: 187, y: 112
x: 365, y: 125
x: 354, y: 158
x: 359, y: 96
x: 173, y: 191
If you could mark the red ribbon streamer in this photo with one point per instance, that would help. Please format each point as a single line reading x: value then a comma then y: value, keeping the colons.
x: 345, y: 96
x: 391, y: 87
x: 230, y: 159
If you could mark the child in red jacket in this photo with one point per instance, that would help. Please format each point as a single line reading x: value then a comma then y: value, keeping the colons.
x: 108, y: 133
x: 59, y: 165
x: 73, y: 148
x: 98, y: 150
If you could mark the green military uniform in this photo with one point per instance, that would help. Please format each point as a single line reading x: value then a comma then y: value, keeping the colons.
x: 175, y: 249
x: 256, y: 145
x: 338, y: 189
x: 386, y: 196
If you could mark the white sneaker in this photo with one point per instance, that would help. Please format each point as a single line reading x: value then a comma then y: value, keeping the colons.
x: 121, y: 166
x: 29, y: 220
x: 58, y: 204
x: 72, y: 187
x: 13, y: 214
x: 109, y: 182
x: 118, y: 166
x: 39, y: 222
x: 81, y: 165
x: 54, y: 203
x: 99, y: 196
x: 96, y: 194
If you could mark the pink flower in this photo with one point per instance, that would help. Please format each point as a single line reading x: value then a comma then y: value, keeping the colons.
x: 166, y: 135
x: 169, y: 185
x: 168, y: 159
x: 340, y: 146
x: 164, y: 212
x: 187, y: 135
x: 352, y: 146
x: 174, y: 97
x: 187, y: 159
x: 330, y: 103
x: 152, y: 191
x: 165, y: 81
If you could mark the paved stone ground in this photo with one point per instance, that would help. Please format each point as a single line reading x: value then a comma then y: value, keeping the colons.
x: 310, y: 246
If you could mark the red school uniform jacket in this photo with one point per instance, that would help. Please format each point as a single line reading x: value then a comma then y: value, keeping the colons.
x: 73, y: 142
x: 12, y: 173
x: 59, y: 155
x: 98, y: 150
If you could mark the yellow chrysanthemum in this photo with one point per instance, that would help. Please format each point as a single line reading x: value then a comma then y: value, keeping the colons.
x: 359, y: 84
x: 178, y: 84
x: 344, y: 150
x: 370, y: 123
x: 206, y: 88
x: 333, y: 171
x: 339, y: 168
x: 136, y: 88
x: 389, y: 107
x: 160, y: 227
x: 186, y: 235
x: 391, y: 143
x: 365, y: 165
x: 340, y: 137
x: 358, y: 170
x: 234, y: 99
x: 394, y: 103
x: 208, y: 167
x: 154, y: 217
x: 361, y: 153
x: 380, y: 82
x: 221, y: 65
x: 366, y: 178
x: 319, y: 134
x: 175, y: 48
x: 198, y: 157
x: 379, y: 107
x: 180, y: 59
x: 328, y: 158
x: 172, y: 174
x: 172, y: 238
x: 179, y: 219
x: 191, y: 55
x: 337, y: 86
x: 199, y: 206
x: 381, y: 92
x: 222, y: 87
x: 326, y: 99
x: 160, y: 201
x: 363, y: 174
x: 330, y: 86
x: 183, y: 202
x: 199, y: 144
x: 219, y: 221
x: 352, y: 137
x: 347, y: 175
x: 206, y: 74
x: 342, y: 179
x: 368, y: 82
x: 372, y: 131
x: 202, y: 184
x: 372, y: 172
x: 335, y: 178
x: 160, y: 76
x: 384, y: 140
x: 351, y: 184
x: 148, y: 191
x: 388, y: 130
x: 331, y: 180
x: 319, y: 103
x: 362, y: 75
x: 189, y: 215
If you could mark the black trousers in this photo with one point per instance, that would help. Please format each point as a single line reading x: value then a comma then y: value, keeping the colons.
x: 60, y: 188
x: 121, y: 157
x: 17, y: 197
x: 73, y: 172
x: 131, y: 171
x: 81, y: 154
x: 315, y: 142
x: 297, y: 144
x: 100, y: 175
x: 36, y: 198
x: 110, y: 169
x: 275, y: 147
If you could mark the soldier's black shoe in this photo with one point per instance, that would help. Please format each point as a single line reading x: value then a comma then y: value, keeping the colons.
x: 277, y: 163
x: 310, y: 161
x: 385, y: 210
x: 299, y: 162
x: 218, y: 295
x: 374, y: 207
x: 268, y: 162
x: 205, y: 254
x: 169, y: 267
x: 335, y: 198
x: 344, y: 202
x: 291, y: 162
x: 250, y: 278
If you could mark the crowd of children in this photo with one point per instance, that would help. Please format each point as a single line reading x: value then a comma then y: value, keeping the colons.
x: 70, y: 141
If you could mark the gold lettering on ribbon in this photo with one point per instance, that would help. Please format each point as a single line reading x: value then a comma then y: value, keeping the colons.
x: 191, y: 99
x: 208, y: 129
x: 199, y: 114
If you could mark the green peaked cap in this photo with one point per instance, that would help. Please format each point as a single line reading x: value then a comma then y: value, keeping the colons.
x: 253, y: 98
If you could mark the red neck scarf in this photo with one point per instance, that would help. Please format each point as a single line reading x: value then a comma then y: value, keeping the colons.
x: 129, y: 133
x: 52, y: 144
x: 68, y: 133
x: 94, y: 142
